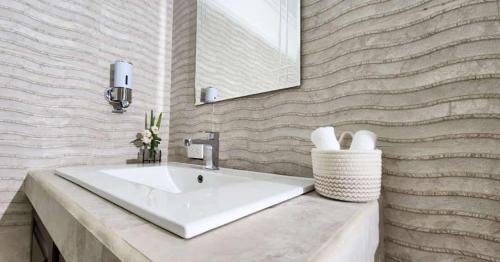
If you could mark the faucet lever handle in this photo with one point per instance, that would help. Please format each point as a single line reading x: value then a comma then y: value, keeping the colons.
x: 212, y: 134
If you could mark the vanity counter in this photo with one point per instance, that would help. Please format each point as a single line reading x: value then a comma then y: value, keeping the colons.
x: 86, y: 227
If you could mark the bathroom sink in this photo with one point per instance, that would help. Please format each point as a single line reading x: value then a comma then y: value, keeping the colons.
x: 186, y: 199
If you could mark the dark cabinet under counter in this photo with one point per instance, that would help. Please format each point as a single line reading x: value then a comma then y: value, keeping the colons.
x: 43, y: 248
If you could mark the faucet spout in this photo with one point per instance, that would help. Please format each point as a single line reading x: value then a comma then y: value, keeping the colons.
x: 210, y: 146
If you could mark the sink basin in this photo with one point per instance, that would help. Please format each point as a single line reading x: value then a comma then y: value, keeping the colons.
x: 186, y: 199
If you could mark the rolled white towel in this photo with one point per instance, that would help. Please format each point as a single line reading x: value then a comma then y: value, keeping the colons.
x: 364, y: 140
x: 324, y: 138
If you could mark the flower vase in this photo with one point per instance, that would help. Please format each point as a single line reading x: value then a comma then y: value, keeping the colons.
x: 151, y: 155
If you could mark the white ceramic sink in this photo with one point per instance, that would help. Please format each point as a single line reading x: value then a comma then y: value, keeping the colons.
x: 186, y: 199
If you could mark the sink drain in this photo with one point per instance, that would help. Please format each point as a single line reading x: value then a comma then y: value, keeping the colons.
x: 200, y: 179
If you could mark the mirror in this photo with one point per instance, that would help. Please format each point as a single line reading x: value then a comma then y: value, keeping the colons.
x: 246, y: 47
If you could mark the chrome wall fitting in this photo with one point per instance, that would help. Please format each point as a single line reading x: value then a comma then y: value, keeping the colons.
x: 120, y: 95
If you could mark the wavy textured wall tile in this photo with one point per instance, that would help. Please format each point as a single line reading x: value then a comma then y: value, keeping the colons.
x: 54, y: 67
x: 423, y: 74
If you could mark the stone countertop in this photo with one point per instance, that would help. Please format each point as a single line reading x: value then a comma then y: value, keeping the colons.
x: 87, y: 227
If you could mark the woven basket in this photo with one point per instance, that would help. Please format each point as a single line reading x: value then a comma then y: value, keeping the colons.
x: 349, y: 175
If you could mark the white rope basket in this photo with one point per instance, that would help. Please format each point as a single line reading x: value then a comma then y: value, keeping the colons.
x: 349, y: 175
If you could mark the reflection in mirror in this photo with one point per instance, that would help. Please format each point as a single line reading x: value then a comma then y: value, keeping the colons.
x: 246, y: 47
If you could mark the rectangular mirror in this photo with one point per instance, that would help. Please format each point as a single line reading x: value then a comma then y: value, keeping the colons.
x: 246, y: 47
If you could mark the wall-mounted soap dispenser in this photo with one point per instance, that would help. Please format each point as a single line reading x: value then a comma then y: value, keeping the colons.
x: 120, y: 94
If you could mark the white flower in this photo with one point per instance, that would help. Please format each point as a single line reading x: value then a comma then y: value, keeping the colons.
x: 146, y: 134
x: 155, y: 130
x: 146, y: 140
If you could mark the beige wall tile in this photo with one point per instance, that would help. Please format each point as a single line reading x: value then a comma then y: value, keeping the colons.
x: 424, y: 75
x: 54, y: 68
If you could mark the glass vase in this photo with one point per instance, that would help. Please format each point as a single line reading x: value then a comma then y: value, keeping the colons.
x: 151, y: 155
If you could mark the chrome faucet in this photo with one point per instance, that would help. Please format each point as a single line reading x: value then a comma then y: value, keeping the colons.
x: 210, y: 149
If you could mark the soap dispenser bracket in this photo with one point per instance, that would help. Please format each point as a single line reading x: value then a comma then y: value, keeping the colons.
x: 119, y: 97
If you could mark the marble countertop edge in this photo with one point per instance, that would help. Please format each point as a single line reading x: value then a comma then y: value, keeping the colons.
x: 346, y: 232
x: 117, y: 245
